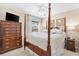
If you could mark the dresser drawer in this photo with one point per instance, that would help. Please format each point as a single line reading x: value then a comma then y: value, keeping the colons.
x: 9, y: 33
x: 7, y: 47
x: 18, y: 41
x: 9, y: 29
x: 9, y: 38
x: 7, y: 43
x: 6, y: 40
x: 71, y: 43
x: 18, y: 44
x: 6, y: 23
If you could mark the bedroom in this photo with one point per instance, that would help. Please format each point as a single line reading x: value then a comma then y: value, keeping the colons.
x: 36, y: 20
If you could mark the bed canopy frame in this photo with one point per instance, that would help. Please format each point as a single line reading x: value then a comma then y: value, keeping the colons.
x: 35, y: 48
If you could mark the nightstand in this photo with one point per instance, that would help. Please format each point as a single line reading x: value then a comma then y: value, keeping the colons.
x: 70, y: 44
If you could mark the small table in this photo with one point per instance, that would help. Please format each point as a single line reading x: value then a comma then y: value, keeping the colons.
x: 70, y: 44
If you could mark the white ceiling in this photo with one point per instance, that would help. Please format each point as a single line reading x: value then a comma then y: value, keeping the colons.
x: 32, y: 8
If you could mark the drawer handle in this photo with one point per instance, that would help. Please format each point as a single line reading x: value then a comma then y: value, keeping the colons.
x: 6, y: 35
x: 6, y: 32
x: 7, y: 43
x: 7, y: 46
x: 70, y: 43
x: 7, y: 39
x: 17, y: 41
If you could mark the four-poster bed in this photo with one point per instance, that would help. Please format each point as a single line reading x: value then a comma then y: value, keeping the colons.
x: 49, y: 18
x: 42, y: 51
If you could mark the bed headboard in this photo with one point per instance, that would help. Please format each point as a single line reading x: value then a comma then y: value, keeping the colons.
x: 58, y: 23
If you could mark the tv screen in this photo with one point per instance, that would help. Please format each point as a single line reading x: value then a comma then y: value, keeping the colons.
x: 12, y: 17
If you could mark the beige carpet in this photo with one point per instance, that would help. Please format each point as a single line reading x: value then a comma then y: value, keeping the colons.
x: 70, y: 53
x: 18, y: 52
x: 22, y: 52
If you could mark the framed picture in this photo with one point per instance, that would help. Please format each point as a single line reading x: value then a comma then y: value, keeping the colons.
x: 35, y: 26
x: 60, y: 22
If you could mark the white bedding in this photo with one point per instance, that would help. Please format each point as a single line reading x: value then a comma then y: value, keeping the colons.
x: 40, y: 39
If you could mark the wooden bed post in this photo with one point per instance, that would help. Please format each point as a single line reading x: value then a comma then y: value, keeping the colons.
x: 65, y: 24
x: 49, y: 46
x: 24, y: 31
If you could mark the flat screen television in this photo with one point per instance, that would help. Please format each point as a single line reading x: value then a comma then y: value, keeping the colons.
x: 12, y: 17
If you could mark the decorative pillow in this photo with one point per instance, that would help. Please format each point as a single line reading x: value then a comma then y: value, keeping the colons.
x: 56, y: 31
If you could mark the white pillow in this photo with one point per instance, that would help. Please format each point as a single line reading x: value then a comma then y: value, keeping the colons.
x: 56, y: 31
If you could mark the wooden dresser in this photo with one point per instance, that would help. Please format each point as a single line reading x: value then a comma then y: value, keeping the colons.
x: 70, y: 44
x: 10, y: 36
